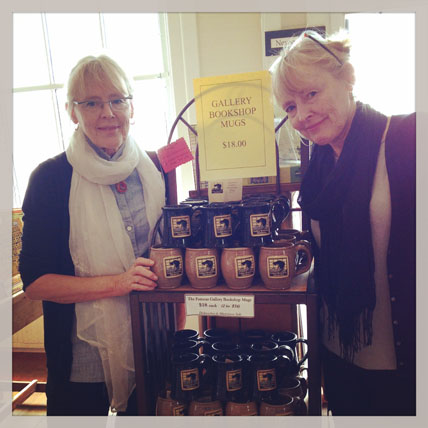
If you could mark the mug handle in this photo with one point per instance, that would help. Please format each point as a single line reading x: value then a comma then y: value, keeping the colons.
x: 279, y: 211
x: 156, y: 230
x: 305, y: 356
x: 287, y: 351
x: 304, y: 246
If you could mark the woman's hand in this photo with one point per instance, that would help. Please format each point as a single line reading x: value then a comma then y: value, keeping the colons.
x: 138, y: 277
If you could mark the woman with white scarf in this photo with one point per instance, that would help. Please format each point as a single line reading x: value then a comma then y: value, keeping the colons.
x: 89, y: 216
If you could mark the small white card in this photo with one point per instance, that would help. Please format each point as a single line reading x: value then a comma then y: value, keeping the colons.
x: 225, y: 190
x: 226, y: 305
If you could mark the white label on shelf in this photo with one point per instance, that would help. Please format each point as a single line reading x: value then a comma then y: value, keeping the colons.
x: 218, y: 305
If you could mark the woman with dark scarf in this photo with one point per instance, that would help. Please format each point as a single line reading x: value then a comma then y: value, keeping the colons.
x: 359, y: 193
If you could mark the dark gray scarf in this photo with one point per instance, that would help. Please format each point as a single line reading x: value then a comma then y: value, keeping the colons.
x: 338, y: 195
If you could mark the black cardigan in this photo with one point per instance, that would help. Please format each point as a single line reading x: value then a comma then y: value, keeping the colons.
x: 45, y: 249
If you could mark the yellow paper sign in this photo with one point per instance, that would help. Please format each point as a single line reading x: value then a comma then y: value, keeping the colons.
x: 236, y: 133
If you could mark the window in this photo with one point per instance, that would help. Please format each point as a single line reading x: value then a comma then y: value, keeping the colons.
x: 383, y: 55
x: 45, y: 48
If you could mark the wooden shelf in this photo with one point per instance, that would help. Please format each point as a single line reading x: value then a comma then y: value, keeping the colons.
x: 256, y: 189
x: 296, y: 294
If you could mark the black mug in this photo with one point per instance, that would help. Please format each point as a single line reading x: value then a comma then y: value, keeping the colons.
x: 263, y: 376
x: 187, y: 346
x: 185, y: 334
x: 214, y: 335
x: 230, y: 381
x: 226, y: 348
x: 177, y: 230
x: 290, y: 339
x: 217, y: 226
x: 187, y: 375
x: 259, y: 220
x: 254, y: 335
x: 196, y: 220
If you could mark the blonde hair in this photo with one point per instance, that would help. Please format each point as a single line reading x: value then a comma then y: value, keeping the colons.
x: 91, y: 70
x: 289, y: 72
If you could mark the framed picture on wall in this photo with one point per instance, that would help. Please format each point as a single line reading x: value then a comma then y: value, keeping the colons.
x: 275, y: 40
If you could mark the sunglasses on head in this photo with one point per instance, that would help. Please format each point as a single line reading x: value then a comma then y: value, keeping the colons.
x: 324, y: 47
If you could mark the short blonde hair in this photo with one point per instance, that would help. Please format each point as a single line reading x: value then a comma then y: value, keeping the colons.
x: 288, y: 72
x: 96, y: 70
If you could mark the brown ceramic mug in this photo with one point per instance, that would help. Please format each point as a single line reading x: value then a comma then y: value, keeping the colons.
x: 246, y: 408
x: 167, y: 406
x: 293, y: 387
x: 278, y: 406
x: 202, y: 267
x: 168, y: 266
x: 204, y: 406
x: 278, y: 263
x: 238, y: 267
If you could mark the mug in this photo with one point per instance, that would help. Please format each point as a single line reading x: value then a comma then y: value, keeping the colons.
x: 216, y: 225
x: 187, y: 375
x: 196, y: 220
x: 263, y: 376
x: 278, y: 264
x: 292, y: 387
x: 281, y: 405
x: 297, y: 233
x: 281, y: 238
x: 284, y: 354
x: 238, y: 267
x: 168, y: 266
x: 254, y: 335
x: 241, y: 408
x: 205, y: 406
x: 202, y: 268
x: 260, y: 217
x: 220, y: 348
x: 290, y: 339
x: 229, y: 376
x: 213, y: 335
x: 177, y: 229
x: 185, y: 334
x: 167, y: 406
x: 186, y: 346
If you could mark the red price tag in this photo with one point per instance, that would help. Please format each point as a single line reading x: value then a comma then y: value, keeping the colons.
x: 175, y: 154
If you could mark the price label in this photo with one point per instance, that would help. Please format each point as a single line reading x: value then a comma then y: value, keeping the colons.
x: 216, y: 305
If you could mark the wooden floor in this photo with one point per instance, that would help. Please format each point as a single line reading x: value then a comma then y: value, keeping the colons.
x: 27, y: 366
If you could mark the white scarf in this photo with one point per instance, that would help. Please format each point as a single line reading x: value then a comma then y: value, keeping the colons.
x: 100, y: 245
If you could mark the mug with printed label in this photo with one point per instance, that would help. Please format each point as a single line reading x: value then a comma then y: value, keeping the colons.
x: 169, y: 266
x: 177, y: 230
x: 202, y: 267
x: 187, y: 375
x: 238, y: 267
x: 279, y: 263
x: 217, y: 225
x: 229, y: 379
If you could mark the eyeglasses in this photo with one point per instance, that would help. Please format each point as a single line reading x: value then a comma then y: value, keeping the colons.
x: 324, y: 47
x: 118, y: 104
